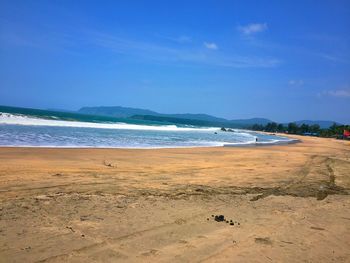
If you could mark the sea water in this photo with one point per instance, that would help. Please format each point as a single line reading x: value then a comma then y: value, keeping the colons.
x: 37, y: 130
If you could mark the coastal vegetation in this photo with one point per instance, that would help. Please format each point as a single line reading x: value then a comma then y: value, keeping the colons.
x: 334, y: 131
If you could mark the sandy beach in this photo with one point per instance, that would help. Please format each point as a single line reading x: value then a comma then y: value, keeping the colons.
x: 287, y: 203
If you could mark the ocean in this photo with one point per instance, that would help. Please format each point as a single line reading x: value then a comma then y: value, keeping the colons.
x: 40, y: 128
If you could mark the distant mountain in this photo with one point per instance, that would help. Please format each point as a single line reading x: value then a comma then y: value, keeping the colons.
x: 186, y: 118
x: 125, y: 112
x: 251, y: 121
x: 116, y: 111
x: 201, y: 117
x: 134, y: 115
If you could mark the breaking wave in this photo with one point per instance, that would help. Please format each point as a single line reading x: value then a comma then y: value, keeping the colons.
x: 7, y: 118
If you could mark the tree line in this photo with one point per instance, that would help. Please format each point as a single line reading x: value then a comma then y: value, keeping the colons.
x: 303, y: 129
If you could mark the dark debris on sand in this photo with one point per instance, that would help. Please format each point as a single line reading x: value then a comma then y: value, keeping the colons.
x: 221, y: 218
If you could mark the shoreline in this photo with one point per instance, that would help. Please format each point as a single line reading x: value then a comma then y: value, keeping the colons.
x: 260, y: 144
x: 252, y: 144
x: 159, y: 148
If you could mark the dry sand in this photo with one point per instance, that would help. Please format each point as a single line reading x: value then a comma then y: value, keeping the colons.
x: 115, y: 205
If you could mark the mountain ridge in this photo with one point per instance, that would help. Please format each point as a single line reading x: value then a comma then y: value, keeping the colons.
x: 137, y: 113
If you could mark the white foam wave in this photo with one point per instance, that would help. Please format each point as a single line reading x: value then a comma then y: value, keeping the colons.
x: 7, y: 118
x: 145, y: 147
x: 253, y: 142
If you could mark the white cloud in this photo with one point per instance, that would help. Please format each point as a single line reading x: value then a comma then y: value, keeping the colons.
x: 333, y: 58
x: 340, y: 93
x: 252, y: 28
x: 210, y: 45
x: 296, y: 82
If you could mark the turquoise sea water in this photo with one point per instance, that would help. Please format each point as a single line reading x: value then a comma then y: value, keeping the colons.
x: 36, y: 128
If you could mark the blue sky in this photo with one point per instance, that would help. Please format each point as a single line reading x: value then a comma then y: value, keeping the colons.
x: 283, y: 60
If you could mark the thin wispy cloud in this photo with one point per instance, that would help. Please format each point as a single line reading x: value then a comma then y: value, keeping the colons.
x: 181, y: 39
x: 253, y: 28
x: 296, y: 82
x: 19, y: 36
x: 210, y: 45
x: 339, y: 93
x: 152, y: 51
x: 124, y: 45
x: 160, y: 53
x: 333, y: 58
x: 249, y: 62
x: 333, y: 55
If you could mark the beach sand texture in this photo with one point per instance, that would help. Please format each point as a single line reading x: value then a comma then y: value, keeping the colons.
x: 288, y: 203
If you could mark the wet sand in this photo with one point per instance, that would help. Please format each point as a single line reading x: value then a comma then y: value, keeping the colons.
x: 288, y: 203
